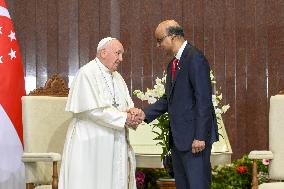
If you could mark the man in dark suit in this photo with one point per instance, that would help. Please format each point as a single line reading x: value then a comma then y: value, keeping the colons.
x: 188, y: 100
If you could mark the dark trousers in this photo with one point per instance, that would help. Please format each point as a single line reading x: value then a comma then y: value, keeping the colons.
x: 192, y: 171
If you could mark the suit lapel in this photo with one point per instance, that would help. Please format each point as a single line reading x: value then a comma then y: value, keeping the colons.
x: 168, y: 79
x: 181, y: 64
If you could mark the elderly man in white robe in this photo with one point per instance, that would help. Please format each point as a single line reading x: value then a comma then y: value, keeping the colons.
x: 97, y: 153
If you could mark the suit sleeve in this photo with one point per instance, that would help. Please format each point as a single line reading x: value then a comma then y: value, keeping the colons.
x: 200, y: 79
x: 160, y: 106
x: 155, y: 110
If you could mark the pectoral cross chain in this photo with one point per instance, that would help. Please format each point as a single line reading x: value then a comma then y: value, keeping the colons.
x: 109, y: 89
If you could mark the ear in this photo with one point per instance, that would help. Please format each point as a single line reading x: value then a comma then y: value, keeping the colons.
x: 103, y: 53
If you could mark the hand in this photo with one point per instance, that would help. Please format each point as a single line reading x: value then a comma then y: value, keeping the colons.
x: 132, y: 121
x: 139, y: 114
x: 198, y: 146
x: 135, y: 116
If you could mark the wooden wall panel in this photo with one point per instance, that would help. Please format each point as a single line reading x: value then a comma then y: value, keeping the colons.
x: 89, y: 32
x: 260, y: 76
x: 198, y: 27
x: 252, y: 68
x: 243, y: 41
x: 104, y: 8
x: 171, y: 10
x: 73, y: 36
x: 150, y: 67
x: 229, y: 90
x: 94, y: 32
x: 159, y: 60
x: 132, y: 69
x: 41, y: 38
x: 238, y: 131
x: 275, y: 44
x: 63, y: 37
x: 30, y: 39
x: 209, y: 32
x: 125, y: 32
x: 188, y: 19
x: 52, y: 37
x: 219, y: 43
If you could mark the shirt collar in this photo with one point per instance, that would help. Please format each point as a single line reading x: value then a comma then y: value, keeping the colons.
x: 102, y: 66
x: 178, y: 55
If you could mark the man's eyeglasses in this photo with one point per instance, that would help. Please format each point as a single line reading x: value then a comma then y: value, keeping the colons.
x: 160, y: 40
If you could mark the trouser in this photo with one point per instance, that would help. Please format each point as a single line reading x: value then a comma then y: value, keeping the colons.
x: 192, y: 171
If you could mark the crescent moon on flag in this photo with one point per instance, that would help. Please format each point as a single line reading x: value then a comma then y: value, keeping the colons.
x: 4, y: 12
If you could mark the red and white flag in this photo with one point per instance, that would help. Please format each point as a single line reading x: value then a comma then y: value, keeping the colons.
x: 11, y: 90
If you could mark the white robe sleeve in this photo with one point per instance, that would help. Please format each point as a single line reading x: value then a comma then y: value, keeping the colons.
x: 108, y: 117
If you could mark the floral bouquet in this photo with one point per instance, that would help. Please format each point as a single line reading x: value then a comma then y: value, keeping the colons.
x: 238, y: 174
x: 216, y: 99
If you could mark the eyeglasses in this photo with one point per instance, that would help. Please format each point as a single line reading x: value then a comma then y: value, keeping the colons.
x: 160, y: 40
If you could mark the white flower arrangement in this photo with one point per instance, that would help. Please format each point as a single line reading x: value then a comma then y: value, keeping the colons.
x: 152, y: 95
x: 216, y: 99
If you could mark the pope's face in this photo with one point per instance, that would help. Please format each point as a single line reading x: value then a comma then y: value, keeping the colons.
x: 113, y: 56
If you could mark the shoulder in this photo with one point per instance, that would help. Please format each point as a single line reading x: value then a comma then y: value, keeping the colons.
x: 88, y: 69
x: 194, y: 53
x: 86, y: 72
x: 196, y: 58
x: 89, y: 66
x: 119, y: 78
x: 117, y: 74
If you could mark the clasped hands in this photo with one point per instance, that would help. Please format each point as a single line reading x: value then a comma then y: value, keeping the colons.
x: 135, y: 116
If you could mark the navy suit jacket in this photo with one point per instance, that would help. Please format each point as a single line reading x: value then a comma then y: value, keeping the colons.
x: 188, y: 100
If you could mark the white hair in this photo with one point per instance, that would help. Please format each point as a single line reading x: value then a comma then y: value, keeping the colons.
x: 104, y: 42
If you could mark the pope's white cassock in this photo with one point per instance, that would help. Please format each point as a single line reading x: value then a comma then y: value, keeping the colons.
x: 97, y: 154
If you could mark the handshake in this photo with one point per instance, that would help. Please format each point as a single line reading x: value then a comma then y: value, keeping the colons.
x: 135, y: 116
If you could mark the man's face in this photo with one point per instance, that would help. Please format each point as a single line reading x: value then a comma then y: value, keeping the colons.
x: 113, y: 55
x: 164, y: 41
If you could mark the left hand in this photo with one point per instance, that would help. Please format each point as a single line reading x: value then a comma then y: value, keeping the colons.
x: 198, y: 146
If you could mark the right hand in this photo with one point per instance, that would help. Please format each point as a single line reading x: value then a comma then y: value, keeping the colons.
x: 135, y: 116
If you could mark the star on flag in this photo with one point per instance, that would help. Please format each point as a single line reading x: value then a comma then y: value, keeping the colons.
x: 9, y: 51
x: 12, y: 36
x: 12, y: 54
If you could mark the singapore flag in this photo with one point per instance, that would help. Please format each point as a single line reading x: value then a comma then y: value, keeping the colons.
x: 11, y: 91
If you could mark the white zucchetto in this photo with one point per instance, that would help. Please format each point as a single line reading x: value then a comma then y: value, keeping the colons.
x: 103, y: 42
